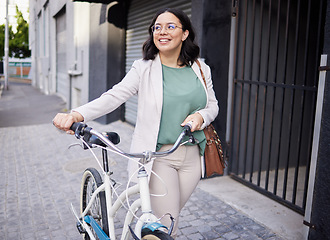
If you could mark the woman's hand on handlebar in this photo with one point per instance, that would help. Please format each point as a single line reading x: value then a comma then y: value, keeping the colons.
x: 63, y: 121
x: 196, y: 120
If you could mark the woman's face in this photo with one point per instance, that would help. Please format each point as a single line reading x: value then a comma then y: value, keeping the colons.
x: 169, y: 41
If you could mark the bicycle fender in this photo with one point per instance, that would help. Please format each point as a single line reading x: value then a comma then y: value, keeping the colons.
x: 98, y: 230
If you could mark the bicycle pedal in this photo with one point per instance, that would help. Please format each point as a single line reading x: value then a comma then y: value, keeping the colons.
x: 80, y: 228
x: 153, y: 226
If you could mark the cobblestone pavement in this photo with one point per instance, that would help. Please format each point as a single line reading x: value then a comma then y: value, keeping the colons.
x: 40, y: 178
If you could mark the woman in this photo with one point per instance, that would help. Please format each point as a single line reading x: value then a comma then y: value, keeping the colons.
x: 171, y: 93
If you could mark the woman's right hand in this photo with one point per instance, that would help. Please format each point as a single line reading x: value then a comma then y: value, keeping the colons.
x: 64, y: 121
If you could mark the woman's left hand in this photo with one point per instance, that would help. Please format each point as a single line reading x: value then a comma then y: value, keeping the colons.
x: 196, y: 121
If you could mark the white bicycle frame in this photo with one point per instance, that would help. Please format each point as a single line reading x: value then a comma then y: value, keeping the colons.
x: 144, y: 202
x: 141, y: 188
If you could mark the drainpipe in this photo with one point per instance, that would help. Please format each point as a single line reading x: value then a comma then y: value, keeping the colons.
x: 231, y: 73
x: 5, y: 63
x: 72, y: 73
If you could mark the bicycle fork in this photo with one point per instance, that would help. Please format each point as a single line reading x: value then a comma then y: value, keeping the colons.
x: 147, y: 220
x: 147, y: 216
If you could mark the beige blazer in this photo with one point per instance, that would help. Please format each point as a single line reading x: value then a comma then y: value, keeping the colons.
x: 146, y: 80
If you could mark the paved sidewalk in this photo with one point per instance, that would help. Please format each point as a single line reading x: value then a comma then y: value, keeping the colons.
x: 41, y: 178
x: 23, y: 105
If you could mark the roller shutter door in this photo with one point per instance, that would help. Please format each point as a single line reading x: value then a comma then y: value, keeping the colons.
x: 139, y: 17
x: 62, y: 81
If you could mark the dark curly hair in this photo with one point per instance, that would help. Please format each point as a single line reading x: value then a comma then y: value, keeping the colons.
x: 189, y: 51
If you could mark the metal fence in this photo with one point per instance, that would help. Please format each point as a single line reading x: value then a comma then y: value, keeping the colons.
x: 277, y: 52
x: 19, y: 69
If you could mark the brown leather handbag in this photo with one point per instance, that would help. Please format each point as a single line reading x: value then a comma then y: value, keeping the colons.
x: 213, y: 155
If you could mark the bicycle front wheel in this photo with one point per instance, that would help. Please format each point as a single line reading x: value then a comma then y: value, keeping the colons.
x: 90, y: 181
x: 156, y: 235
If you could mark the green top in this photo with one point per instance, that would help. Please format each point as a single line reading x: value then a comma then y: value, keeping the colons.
x: 183, y: 94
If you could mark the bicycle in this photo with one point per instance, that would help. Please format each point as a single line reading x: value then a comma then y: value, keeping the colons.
x: 97, y: 209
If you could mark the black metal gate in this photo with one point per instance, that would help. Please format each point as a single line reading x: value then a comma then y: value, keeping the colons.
x: 277, y: 51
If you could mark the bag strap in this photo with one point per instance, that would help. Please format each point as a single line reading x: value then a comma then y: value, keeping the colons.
x: 200, y: 68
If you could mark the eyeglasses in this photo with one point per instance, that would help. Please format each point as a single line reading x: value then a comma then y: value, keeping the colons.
x: 170, y: 27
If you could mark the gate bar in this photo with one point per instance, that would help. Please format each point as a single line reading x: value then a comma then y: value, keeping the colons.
x: 243, y: 74
x: 249, y: 91
x: 292, y: 103
x: 265, y: 97
x: 296, y: 172
x: 282, y: 110
x: 274, y: 80
x: 256, y: 98
x: 235, y: 91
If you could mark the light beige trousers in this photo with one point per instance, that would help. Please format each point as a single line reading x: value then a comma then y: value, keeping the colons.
x: 179, y: 174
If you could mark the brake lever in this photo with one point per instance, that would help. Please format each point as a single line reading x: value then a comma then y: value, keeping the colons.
x: 192, y: 139
x: 188, y: 133
x: 76, y: 144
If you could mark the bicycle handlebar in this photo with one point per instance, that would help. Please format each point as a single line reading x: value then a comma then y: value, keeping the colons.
x: 81, y: 129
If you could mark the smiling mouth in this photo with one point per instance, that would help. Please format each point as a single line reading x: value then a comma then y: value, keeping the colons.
x: 164, y: 40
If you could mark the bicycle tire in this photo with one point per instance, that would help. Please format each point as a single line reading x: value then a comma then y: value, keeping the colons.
x: 90, y: 181
x: 156, y: 235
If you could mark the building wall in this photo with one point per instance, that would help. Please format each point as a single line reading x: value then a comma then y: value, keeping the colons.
x: 42, y: 43
x: 80, y: 55
x: 42, y: 40
x: 321, y: 198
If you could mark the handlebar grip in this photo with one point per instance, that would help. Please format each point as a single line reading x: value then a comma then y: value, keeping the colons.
x: 80, y: 129
x: 74, y: 126
x: 189, y: 124
x: 187, y: 127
